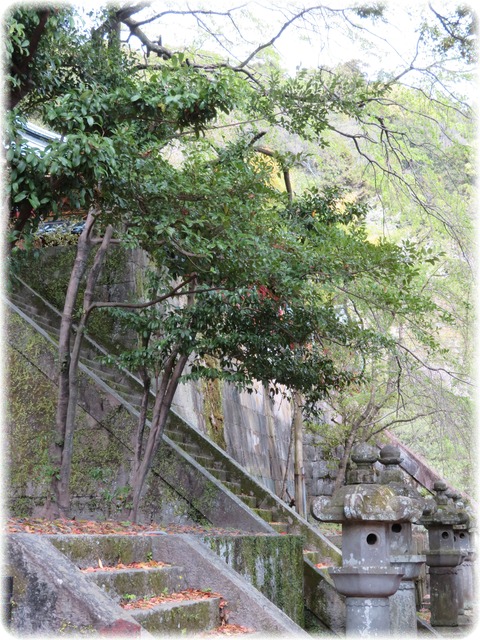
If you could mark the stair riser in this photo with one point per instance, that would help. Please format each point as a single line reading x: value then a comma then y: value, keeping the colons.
x: 218, y: 473
x: 180, y: 618
x: 141, y: 582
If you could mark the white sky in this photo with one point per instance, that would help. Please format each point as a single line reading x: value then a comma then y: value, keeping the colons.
x: 392, y: 46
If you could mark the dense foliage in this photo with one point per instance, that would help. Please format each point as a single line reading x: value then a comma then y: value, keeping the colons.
x: 289, y: 289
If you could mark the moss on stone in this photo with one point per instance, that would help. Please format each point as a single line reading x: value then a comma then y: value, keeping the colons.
x: 213, y: 411
x: 101, y: 453
x: 48, y: 272
x: 272, y: 564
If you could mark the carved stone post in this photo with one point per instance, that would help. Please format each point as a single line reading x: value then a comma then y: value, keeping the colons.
x: 443, y: 557
x: 366, y: 511
x: 403, y: 610
x: 465, y: 572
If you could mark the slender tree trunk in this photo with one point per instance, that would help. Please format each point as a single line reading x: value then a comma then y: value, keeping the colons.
x: 141, y: 424
x: 342, y: 468
x: 54, y: 501
x: 163, y: 403
x: 299, y: 472
x: 171, y: 375
x: 66, y: 462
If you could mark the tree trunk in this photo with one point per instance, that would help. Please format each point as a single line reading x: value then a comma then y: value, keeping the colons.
x: 66, y: 463
x: 299, y: 472
x: 163, y: 402
x: 57, y: 503
x: 342, y: 468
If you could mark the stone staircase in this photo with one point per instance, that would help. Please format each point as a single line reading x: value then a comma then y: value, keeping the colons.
x: 129, y: 586
x: 268, y: 513
x: 112, y: 585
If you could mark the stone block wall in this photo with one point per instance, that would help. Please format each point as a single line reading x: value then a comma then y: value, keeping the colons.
x: 254, y: 429
x: 272, y: 564
x: 102, y: 448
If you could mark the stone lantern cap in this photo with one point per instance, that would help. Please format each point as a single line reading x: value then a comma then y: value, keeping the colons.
x: 390, y: 457
x: 443, y: 511
x: 370, y: 502
x: 367, y: 501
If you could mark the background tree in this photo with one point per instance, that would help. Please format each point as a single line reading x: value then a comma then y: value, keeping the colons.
x: 123, y: 116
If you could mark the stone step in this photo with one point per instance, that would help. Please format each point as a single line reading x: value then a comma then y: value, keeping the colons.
x: 265, y: 514
x: 190, y: 447
x: 311, y: 555
x: 221, y: 474
x: 250, y: 501
x: 133, y: 398
x: 175, y: 434
x: 280, y: 527
x: 234, y: 487
x: 179, y: 618
x: 203, y: 459
x: 107, y: 377
x: 336, y: 539
x: 45, y: 324
x: 29, y: 309
x: 142, y: 582
x: 103, y: 371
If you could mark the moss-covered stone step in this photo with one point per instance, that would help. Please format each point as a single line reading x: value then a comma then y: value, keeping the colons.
x: 176, y: 435
x: 250, y: 501
x: 336, y: 539
x: 176, y: 618
x: 280, y: 527
x: 204, y: 459
x: 265, y: 514
x: 100, y: 370
x: 313, y: 556
x: 190, y: 447
x: 221, y: 474
x: 26, y: 308
x: 86, y: 550
x: 46, y: 325
x: 140, y: 582
x: 234, y: 487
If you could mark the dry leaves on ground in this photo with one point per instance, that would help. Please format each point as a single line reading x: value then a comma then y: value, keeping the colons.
x: 109, y: 527
x: 150, y: 564
x: 187, y: 594
x: 227, y: 630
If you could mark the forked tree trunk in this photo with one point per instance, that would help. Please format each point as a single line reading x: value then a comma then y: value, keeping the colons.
x: 172, y: 372
x: 163, y: 402
x: 66, y: 462
x: 58, y: 502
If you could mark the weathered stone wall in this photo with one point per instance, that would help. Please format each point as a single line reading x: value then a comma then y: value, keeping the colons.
x: 257, y: 432
x: 102, y: 450
x: 272, y: 564
x: 254, y: 429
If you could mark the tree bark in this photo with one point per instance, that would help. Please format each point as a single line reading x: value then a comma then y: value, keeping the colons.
x: 66, y: 463
x: 171, y: 375
x: 55, y: 503
x: 163, y: 402
x: 299, y: 472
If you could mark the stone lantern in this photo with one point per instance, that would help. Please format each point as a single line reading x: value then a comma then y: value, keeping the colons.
x: 403, y: 610
x: 465, y: 571
x: 367, y: 511
x: 443, y: 557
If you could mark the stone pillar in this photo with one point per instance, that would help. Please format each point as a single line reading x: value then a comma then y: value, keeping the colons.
x: 466, y: 569
x: 403, y: 609
x: 367, y: 510
x: 443, y: 557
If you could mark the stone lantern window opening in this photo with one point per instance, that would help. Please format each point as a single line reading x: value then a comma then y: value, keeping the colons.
x: 372, y: 538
